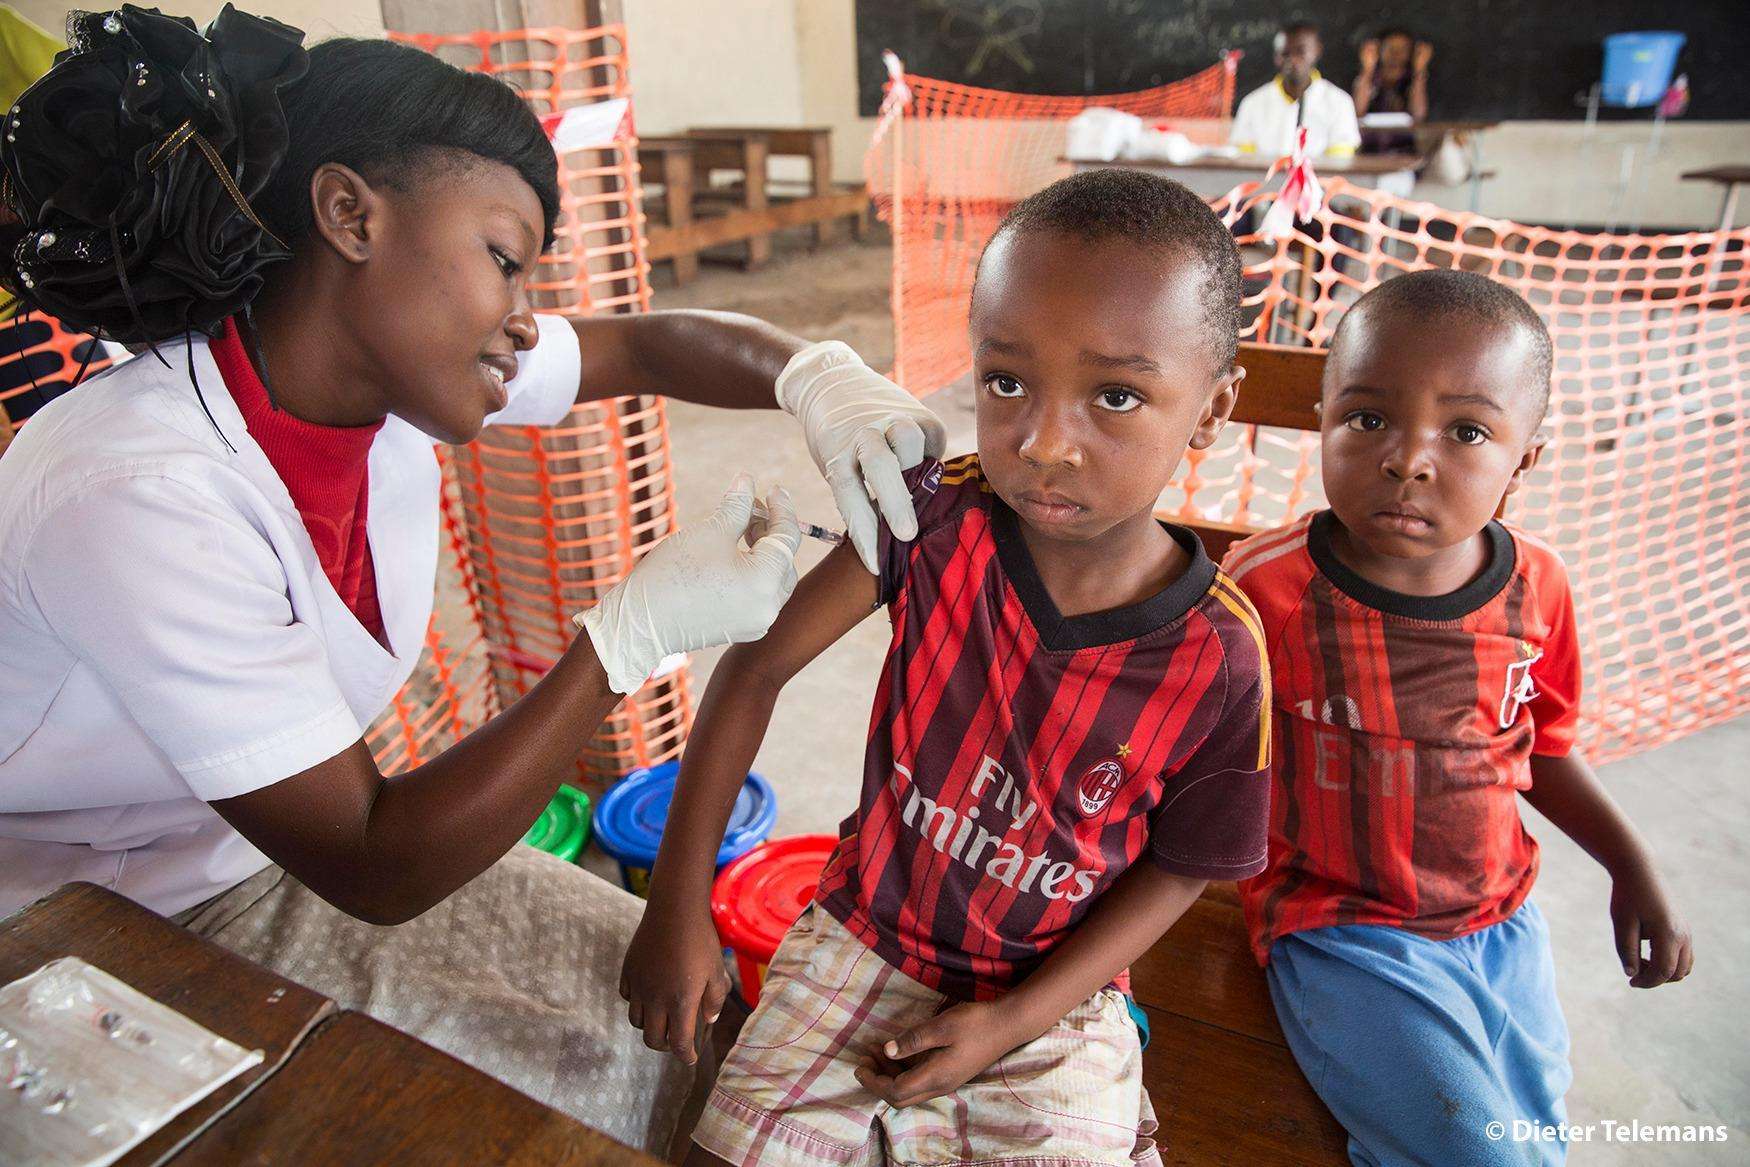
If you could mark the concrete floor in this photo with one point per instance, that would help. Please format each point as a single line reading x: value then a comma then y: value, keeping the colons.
x: 1675, y: 1055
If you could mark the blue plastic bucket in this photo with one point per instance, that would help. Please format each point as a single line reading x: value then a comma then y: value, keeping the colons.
x: 1638, y: 67
x: 630, y: 817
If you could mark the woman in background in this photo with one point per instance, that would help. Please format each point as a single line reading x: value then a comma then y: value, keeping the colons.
x: 1393, y: 79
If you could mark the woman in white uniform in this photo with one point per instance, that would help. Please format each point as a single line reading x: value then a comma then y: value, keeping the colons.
x: 217, y: 560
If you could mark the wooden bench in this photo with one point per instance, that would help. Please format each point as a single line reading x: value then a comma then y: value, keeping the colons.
x: 695, y: 216
x: 669, y: 161
x: 1281, y: 389
x: 1224, y: 1084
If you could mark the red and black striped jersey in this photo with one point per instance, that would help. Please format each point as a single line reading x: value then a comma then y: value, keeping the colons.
x: 1405, y: 727
x: 1020, y: 760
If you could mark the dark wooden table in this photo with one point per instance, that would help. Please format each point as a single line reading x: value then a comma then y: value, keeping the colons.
x: 1730, y: 177
x: 747, y: 151
x: 1213, y: 176
x: 811, y: 142
x: 670, y: 162
x: 1224, y: 1085
x: 697, y: 216
x: 335, y: 1087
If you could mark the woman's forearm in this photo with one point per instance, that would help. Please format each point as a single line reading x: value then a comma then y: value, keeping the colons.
x: 384, y: 849
x: 457, y: 814
x: 711, y: 358
x: 1418, y: 98
x: 1363, y: 93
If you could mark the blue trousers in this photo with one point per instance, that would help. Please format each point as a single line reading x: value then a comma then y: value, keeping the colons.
x: 1428, y: 1051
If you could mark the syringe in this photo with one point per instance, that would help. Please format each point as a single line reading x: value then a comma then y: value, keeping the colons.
x: 809, y: 529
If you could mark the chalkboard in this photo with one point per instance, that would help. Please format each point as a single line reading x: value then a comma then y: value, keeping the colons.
x: 1494, y: 60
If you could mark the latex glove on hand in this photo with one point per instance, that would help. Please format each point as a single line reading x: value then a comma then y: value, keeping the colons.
x: 698, y: 588
x: 864, y: 433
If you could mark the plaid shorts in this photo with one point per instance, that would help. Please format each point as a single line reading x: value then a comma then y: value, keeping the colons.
x: 787, y: 1093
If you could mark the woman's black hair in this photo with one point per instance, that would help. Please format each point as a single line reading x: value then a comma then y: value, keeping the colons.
x: 158, y: 171
x: 379, y: 107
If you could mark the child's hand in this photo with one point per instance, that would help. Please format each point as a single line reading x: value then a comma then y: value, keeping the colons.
x: 1424, y: 54
x: 1641, y: 911
x: 939, y: 1056
x: 1369, y: 53
x: 674, y: 980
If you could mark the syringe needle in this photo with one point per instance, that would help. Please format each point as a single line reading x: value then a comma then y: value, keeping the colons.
x: 812, y: 530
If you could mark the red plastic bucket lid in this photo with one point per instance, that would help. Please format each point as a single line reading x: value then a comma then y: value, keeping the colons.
x: 758, y: 897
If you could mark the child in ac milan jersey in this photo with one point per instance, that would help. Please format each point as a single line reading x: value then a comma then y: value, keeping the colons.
x: 1427, y: 674
x: 1069, y: 737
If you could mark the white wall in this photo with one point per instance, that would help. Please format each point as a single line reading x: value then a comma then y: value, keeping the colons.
x: 734, y: 62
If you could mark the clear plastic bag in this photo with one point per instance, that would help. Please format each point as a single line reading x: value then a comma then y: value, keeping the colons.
x: 90, y: 1066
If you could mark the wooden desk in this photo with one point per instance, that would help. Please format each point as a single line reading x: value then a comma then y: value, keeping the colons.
x: 1224, y: 1085
x: 670, y: 162
x: 335, y: 1086
x: 1212, y: 177
x: 811, y: 142
x: 1729, y: 177
x: 747, y: 151
x: 749, y: 212
x: 358, y: 1091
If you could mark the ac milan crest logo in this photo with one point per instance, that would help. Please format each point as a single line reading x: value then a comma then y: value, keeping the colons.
x: 1098, y: 786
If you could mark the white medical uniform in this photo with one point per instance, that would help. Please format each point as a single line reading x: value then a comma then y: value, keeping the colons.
x: 1267, y: 118
x: 167, y: 635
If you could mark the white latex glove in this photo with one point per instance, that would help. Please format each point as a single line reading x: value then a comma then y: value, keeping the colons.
x: 698, y: 588
x: 864, y: 432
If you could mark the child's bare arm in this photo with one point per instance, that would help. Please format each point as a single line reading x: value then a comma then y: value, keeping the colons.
x: 1568, y: 793
x: 673, y: 978
x: 962, y: 1042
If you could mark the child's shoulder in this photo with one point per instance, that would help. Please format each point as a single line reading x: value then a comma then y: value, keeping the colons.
x: 1542, y: 568
x: 1273, y: 569
x: 1271, y: 560
x: 1536, y: 558
x: 942, y: 492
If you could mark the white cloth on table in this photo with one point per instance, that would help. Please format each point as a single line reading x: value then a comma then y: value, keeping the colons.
x: 517, y: 973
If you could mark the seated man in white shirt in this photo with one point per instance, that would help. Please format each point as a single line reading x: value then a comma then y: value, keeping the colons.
x: 1298, y: 96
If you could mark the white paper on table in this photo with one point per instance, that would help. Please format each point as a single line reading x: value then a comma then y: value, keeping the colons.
x: 90, y: 1066
x: 1099, y: 134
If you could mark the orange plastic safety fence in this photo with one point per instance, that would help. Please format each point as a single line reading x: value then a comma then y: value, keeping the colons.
x: 549, y: 519
x: 945, y: 170
x: 39, y: 360
x: 452, y: 692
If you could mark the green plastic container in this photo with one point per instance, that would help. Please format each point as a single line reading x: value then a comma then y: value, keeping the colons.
x: 563, y: 827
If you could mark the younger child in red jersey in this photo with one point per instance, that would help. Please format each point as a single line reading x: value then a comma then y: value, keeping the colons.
x: 1427, y: 674
x: 1069, y: 737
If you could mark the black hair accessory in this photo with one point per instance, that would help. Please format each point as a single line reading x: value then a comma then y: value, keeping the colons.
x: 130, y: 167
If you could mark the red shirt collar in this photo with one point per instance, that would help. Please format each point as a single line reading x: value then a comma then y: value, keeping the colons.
x: 327, y: 462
